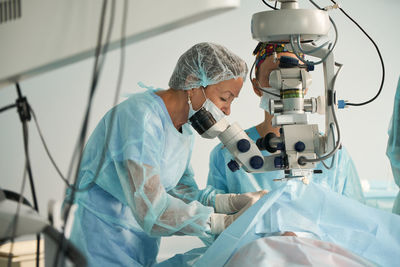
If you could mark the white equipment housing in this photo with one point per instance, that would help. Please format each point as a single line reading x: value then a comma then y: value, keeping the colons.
x: 290, y: 112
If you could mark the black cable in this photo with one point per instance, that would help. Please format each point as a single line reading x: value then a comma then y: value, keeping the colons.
x: 330, y: 50
x: 7, y: 107
x: 270, y: 5
x: 380, y: 57
x: 96, y: 71
x: 316, y: 5
x: 28, y: 165
x: 46, y: 148
x: 23, y: 110
x: 99, y: 62
x: 73, y: 253
x: 16, y: 197
x: 96, y: 74
x: 15, y: 222
x: 78, y: 148
x: 116, y: 97
x: 339, y: 140
x: 22, y: 107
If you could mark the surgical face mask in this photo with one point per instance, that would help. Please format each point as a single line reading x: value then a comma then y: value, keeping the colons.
x: 264, y: 102
x: 213, y: 109
x: 209, y: 106
x: 205, y: 117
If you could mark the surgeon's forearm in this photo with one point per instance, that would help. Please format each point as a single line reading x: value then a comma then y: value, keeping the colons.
x: 159, y: 213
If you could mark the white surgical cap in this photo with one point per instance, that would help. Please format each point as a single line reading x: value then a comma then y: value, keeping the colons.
x: 205, y: 64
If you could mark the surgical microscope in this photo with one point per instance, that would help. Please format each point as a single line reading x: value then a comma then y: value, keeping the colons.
x: 300, y: 144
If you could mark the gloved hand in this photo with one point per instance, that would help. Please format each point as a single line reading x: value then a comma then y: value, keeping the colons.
x: 219, y: 222
x: 231, y: 203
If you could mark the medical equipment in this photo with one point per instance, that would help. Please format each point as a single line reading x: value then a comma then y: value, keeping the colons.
x: 239, y: 144
x: 341, y: 178
x: 29, y: 222
x: 299, y: 143
x: 298, y: 140
x: 210, y: 125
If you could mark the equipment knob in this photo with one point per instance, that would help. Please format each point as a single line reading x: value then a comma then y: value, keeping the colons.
x: 256, y: 162
x: 243, y: 145
x: 233, y: 166
x: 299, y: 146
x: 278, y: 162
x: 280, y: 146
x: 264, y: 143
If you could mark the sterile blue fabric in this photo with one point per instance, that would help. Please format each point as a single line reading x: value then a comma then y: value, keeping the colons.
x: 295, y: 207
x: 186, y: 259
x: 111, y: 236
x: 393, y: 146
x: 206, y: 64
x: 342, y: 178
x: 145, y: 188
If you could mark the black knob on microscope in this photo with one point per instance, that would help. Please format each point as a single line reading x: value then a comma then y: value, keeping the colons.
x: 263, y: 143
x: 299, y: 146
x: 233, y: 166
x: 256, y: 162
x: 243, y: 145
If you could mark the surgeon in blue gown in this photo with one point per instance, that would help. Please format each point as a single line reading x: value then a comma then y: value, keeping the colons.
x: 393, y: 146
x: 145, y: 188
x: 341, y: 178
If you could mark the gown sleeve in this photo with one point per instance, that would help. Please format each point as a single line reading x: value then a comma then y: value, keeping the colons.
x: 187, y: 190
x: 136, y: 151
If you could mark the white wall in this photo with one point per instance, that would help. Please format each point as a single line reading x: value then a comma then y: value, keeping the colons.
x: 59, y: 97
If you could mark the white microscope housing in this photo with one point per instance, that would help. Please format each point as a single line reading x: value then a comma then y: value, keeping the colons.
x: 299, y: 142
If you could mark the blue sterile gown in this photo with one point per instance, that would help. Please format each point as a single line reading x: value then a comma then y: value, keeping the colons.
x: 318, y: 212
x: 342, y: 178
x: 312, y: 212
x: 145, y: 188
x: 393, y: 146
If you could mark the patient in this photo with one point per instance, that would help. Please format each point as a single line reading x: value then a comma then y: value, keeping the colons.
x: 321, y: 214
x: 289, y: 251
x: 314, y: 213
